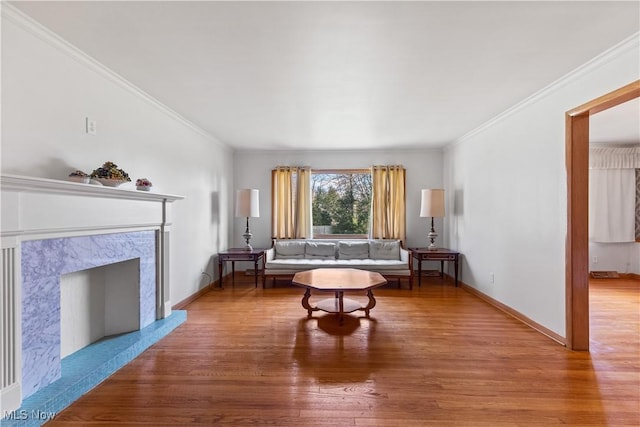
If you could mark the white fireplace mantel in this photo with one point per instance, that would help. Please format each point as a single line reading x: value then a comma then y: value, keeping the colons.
x: 54, y: 186
x: 39, y: 208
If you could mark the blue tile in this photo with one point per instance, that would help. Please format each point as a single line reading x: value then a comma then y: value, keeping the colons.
x: 88, y: 367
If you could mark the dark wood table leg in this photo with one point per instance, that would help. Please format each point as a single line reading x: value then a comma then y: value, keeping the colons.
x: 371, y: 304
x: 455, y: 266
x: 255, y: 271
x: 305, y: 302
x: 340, y: 296
x: 419, y: 272
x: 220, y: 264
x: 233, y: 272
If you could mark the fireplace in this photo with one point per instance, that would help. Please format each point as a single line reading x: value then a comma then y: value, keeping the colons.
x: 43, y: 264
x: 53, y: 228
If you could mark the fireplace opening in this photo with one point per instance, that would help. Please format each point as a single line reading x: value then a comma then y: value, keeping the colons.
x: 97, y: 303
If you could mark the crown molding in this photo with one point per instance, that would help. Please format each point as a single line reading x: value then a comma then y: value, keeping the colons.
x: 372, y: 151
x: 632, y: 42
x: 25, y: 22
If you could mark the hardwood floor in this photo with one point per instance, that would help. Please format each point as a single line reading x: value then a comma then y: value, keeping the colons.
x: 434, y: 356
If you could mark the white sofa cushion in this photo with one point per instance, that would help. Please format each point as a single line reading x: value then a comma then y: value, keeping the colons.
x: 320, y: 250
x: 295, y: 265
x: 353, y: 250
x: 384, y: 250
x: 289, y: 249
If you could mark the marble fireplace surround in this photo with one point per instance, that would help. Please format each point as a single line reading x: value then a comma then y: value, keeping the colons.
x: 43, y: 262
x: 51, y: 227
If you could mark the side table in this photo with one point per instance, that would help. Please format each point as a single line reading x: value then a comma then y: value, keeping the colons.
x: 440, y: 254
x: 240, y: 254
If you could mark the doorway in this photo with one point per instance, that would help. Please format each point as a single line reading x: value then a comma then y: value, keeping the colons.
x: 577, y: 244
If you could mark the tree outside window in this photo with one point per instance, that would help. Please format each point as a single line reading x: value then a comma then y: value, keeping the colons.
x: 341, y: 204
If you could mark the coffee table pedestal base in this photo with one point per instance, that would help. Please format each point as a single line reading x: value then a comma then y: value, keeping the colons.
x: 339, y: 304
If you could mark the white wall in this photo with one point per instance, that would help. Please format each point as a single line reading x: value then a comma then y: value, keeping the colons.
x: 253, y: 170
x: 507, y: 182
x: 620, y: 257
x: 48, y: 89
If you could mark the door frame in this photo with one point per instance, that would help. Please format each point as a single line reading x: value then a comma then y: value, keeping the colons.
x: 577, y: 244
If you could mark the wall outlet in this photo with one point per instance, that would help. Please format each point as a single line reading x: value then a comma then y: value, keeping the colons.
x: 492, y: 277
x: 91, y: 126
x: 595, y: 259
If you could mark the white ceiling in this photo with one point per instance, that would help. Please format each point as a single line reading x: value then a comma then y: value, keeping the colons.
x: 339, y: 75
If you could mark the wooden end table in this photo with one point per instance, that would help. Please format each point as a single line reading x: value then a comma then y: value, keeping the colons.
x: 339, y: 281
x: 440, y: 254
x: 240, y: 254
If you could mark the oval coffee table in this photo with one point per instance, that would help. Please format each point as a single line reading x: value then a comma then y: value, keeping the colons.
x: 339, y: 281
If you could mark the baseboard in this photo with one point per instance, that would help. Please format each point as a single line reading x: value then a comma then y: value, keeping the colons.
x: 515, y: 314
x: 604, y: 275
x: 613, y: 275
x: 188, y: 300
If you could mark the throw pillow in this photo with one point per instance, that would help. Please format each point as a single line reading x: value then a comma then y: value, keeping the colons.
x: 320, y: 250
x: 353, y: 250
x: 379, y: 249
x: 289, y: 249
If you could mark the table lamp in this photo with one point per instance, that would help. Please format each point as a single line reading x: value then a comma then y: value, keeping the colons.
x: 247, y: 206
x: 432, y: 205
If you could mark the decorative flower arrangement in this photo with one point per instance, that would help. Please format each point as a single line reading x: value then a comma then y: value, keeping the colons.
x: 79, y: 176
x: 143, y: 184
x: 110, y: 171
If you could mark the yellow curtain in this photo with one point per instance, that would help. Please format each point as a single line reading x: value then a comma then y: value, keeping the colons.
x: 303, y: 221
x: 291, y: 202
x: 388, y: 211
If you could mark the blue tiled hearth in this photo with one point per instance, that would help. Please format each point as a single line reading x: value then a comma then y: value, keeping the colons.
x: 88, y: 367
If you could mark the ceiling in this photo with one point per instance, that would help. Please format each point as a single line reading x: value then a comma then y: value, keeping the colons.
x: 339, y: 75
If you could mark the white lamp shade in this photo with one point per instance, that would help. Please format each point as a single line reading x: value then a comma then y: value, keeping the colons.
x: 432, y: 204
x: 247, y: 204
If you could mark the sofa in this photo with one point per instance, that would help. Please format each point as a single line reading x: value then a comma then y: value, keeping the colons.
x: 289, y: 256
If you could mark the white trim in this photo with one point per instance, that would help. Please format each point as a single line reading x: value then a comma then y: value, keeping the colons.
x: 54, y: 186
x: 632, y: 42
x: 10, y: 398
x: 341, y: 151
x: 11, y: 333
x: 51, y: 233
x: 25, y: 22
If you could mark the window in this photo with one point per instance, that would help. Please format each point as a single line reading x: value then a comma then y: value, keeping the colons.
x: 357, y: 203
x: 341, y: 203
